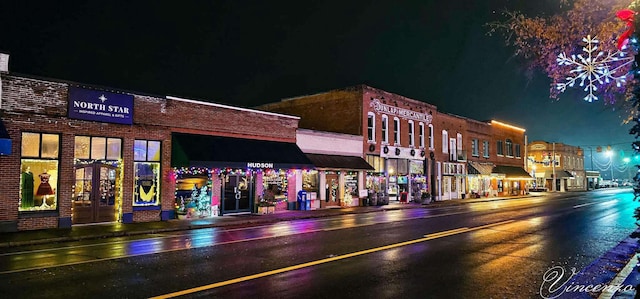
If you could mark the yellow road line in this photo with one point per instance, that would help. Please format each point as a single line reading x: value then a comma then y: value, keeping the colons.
x: 327, y: 260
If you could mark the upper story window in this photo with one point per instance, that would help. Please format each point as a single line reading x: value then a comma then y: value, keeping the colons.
x: 431, y: 136
x: 411, y: 134
x: 459, y: 142
x: 385, y: 129
x: 421, y: 134
x: 517, y: 151
x: 396, y: 130
x: 499, y: 148
x: 485, y: 148
x: 445, y: 141
x: 474, y: 147
x: 371, y: 127
x: 509, y: 147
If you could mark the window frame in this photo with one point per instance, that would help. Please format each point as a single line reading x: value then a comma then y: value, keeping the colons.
x: 371, y: 127
x: 396, y: 131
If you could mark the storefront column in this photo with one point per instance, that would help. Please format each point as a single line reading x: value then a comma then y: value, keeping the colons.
x: 341, y: 183
x: 322, y: 187
x: 216, y: 194
x: 292, y: 183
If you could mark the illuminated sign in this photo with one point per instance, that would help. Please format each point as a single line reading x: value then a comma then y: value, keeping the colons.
x: 259, y: 165
x: 401, y: 112
x: 100, y: 106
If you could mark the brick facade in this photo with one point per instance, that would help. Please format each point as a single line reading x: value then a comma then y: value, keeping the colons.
x: 40, y: 106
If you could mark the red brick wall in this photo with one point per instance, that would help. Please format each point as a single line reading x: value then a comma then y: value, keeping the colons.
x: 37, y: 105
x: 334, y: 111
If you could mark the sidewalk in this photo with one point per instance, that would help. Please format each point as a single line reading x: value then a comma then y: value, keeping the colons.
x: 107, y: 230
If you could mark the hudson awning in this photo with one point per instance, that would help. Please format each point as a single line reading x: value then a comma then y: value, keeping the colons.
x: 480, y: 168
x: 5, y: 140
x: 560, y: 174
x: 217, y: 151
x: 339, y: 162
x: 511, y: 172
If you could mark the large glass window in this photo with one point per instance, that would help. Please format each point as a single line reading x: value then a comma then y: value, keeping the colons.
x: 146, y: 185
x: 39, y: 166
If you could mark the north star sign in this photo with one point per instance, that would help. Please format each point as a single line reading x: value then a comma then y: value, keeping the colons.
x: 100, y: 106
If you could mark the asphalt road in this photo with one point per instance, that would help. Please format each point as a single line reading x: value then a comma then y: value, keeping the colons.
x: 497, y: 249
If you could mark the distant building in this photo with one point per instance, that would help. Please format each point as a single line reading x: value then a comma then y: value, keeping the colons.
x: 547, y: 161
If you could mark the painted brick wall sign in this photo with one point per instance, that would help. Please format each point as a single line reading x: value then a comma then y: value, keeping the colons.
x: 100, y: 106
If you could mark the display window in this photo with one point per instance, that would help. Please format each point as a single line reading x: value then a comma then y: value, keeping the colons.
x: 275, y: 182
x: 39, y: 172
x: 146, y: 186
x: 193, y: 195
x: 310, y: 181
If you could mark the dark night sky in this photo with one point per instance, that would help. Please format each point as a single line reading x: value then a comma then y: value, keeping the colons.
x: 246, y: 53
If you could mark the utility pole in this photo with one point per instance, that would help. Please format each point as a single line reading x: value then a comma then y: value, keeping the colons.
x: 553, y: 168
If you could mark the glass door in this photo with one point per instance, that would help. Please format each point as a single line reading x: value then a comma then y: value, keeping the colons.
x: 95, y: 194
x: 237, y: 193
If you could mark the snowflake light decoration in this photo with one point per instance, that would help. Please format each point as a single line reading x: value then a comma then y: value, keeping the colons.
x: 594, y: 69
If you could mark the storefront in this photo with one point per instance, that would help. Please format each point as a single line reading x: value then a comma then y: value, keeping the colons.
x: 453, y: 180
x: 479, y: 179
x: 76, y: 154
x: 217, y: 175
x: 511, y: 180
x: 340, y: 180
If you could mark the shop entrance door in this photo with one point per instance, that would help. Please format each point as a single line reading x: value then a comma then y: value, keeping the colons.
x: 94, y: 197
x: 332, y: 190
x: 238, y: 195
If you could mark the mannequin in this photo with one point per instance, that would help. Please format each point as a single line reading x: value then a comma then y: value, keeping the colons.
x: 27, y: 188
x: 44, y: 189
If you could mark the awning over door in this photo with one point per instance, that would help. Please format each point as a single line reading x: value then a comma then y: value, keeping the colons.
x: 560, y: 174
x: 512, y: 172
x: 476, y: 168
x: 217, y: 151
x: 5, y: 140
x: 339, y: 162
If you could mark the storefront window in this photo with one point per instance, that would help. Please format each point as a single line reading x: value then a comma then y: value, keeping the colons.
x: 193, y: 195
x: 310, y: 181
x: 39, y: 177
x: 147, y: 173
x: 276, y: 182
x: 351, y: 183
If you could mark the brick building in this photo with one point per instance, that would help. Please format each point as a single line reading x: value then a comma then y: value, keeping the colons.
x: 414, y: 149
x: 397, y: 134
x: 88, y: 154
x: 565, y: 163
